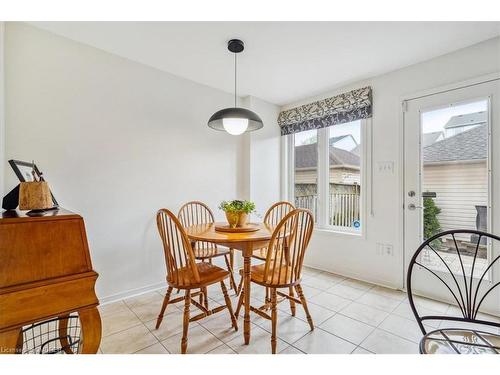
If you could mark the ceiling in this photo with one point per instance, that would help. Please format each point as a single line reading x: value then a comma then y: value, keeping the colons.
x: 283, y: 61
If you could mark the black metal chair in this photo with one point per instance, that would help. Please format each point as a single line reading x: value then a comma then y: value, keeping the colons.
x: 468, y: 292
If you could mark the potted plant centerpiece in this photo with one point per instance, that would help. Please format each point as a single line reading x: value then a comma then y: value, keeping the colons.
x: 237, y: 212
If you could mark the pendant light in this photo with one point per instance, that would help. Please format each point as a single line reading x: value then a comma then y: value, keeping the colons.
x: 235, y: 120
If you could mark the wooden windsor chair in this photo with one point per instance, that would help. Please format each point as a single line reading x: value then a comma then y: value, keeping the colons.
x: 194, y: 213
x: 283, y: 266
x: 183, y: 272
x: 273, y: 216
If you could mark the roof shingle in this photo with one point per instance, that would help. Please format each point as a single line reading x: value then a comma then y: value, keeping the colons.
x: 469, y: 145
x: 306, y: 156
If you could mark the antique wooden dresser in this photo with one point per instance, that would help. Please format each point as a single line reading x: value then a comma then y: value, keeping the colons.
x: 46, y: 273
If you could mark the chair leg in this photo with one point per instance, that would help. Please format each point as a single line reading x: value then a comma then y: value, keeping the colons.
x: 185, y: 323
x: 292, y: 302
x: 268, y: 296
x: 240, y: 286
x: 232, y: 283
x: 205, y: 297
x: 229, y: 306
x: 298, y: 288
x: 163, y: 307
x: 231, y: 258
x: 240, y: 302
x: 274, y: 319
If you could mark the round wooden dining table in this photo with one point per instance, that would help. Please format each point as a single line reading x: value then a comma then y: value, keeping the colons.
x: 246, y: 242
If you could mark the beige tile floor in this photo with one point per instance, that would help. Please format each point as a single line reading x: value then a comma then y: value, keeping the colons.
x: 350, y: 316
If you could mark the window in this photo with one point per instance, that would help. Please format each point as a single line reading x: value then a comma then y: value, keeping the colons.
x: 455, y: 184
x: 327, y: 175
x: 306, y: 171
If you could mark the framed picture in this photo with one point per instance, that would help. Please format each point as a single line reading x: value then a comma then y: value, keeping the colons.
x: 24, y: 171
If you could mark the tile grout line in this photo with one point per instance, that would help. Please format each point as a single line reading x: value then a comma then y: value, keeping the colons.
x: 392, y: 333
x: 223, y: 344
x: 124, y: 329
x: 378, y: 327
x: 149, y: 346
x: 151, y: 333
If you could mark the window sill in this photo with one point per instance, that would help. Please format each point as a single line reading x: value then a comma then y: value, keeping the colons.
x: 340, y: 232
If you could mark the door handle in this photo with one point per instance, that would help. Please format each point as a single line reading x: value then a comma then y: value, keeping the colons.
x: 412, y: 207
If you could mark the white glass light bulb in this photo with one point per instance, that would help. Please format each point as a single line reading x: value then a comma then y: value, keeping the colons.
x: 235, y: 126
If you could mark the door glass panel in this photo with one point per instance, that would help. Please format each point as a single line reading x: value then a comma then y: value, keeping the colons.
x: 455, y: 183
x: 344, y: 151
x: 306, y: 170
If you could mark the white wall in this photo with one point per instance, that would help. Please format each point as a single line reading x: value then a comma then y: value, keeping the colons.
x: 264, y: 155
x: 117, y: 140
x: 355, y: 256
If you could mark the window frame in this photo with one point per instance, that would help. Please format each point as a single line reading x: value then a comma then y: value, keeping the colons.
x: 323, y: 178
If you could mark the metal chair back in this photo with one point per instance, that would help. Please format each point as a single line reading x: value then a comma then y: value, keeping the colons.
x: 467, y: 291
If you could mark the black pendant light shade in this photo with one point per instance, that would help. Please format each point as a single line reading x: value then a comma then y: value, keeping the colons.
x: 235, y: 120
x: 216, y: 120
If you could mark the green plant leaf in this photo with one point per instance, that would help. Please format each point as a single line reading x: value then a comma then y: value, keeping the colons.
x: 237, y: 206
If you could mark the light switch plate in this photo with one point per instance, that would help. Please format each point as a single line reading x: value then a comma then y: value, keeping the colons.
x: 388, y: 249
x: 386, y: 167
x: 384, y: 249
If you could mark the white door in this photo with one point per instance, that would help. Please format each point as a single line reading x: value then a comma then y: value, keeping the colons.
x: 451, y: 181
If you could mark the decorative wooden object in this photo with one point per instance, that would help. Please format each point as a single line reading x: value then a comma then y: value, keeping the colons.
x: 45, y: 272
x: 196, y: 212
x: 283, y: 267
x: 35, y: 196
x: 246, y: 242
x: 184, y: 273
x: 224, y: 227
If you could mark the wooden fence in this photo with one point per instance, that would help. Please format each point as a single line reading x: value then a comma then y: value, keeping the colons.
x: 343, y: 207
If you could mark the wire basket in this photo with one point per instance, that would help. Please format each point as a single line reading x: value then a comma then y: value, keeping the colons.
x: 55, y: 336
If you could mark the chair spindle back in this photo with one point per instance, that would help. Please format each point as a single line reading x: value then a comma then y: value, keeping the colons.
x: 195, y: 213
x: 177, y: 248
x: 277, y: 212
x: 287, y: 248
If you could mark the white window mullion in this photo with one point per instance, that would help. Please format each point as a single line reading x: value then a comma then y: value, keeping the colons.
x: 323, y: 166
x: 290, y: 167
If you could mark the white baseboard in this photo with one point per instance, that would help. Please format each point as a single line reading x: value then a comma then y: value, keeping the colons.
x: 131, y: 293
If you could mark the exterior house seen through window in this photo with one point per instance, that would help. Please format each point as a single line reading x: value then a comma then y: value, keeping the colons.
x: 327, y: 175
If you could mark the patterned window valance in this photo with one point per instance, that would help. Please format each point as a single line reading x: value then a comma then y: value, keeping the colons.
x: 347, y: 107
